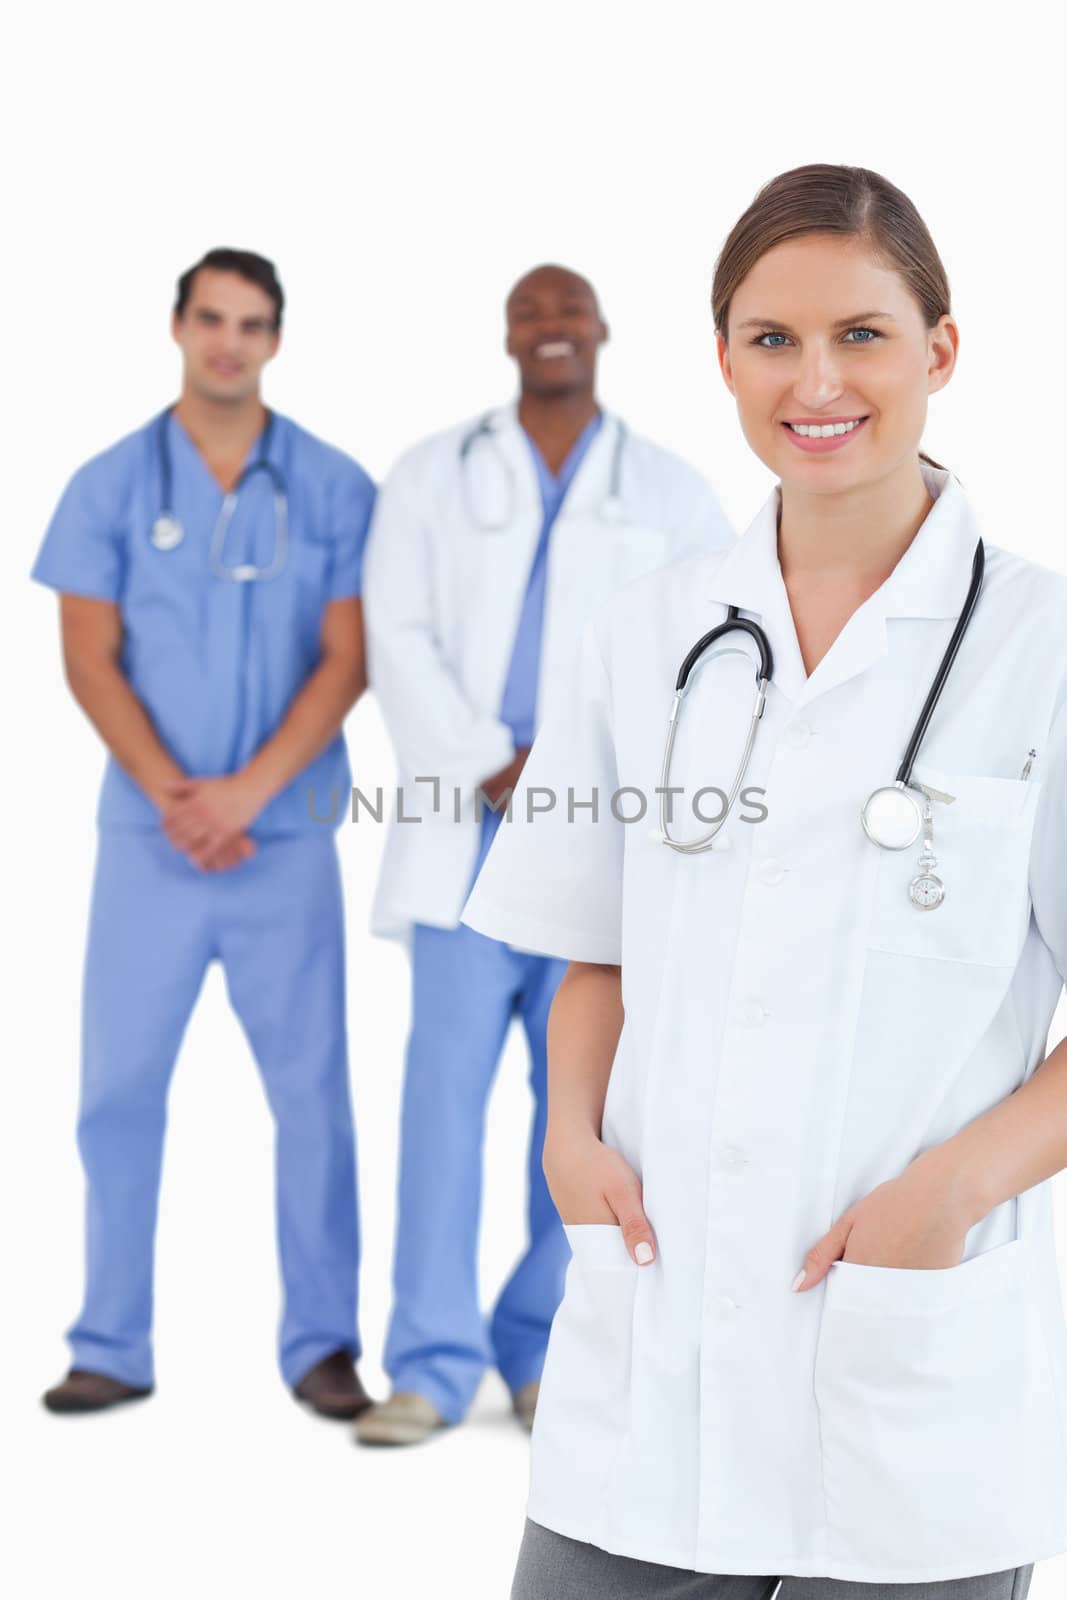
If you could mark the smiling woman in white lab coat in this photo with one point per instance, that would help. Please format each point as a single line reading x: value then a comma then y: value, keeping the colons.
x: 767, y: 1058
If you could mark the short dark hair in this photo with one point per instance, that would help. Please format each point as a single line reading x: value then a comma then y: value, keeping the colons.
x: 246, y: 264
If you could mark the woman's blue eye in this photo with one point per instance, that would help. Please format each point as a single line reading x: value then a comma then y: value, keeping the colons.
x: 763, y: 336
x: 871, y: 332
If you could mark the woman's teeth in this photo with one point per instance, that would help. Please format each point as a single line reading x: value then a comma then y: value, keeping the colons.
x: 556, y: 347
x: 812, y: 431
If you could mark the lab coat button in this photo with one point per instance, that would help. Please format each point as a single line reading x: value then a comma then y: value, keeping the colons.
x: 797, y: 734
x: 731, y: 1159
x: 723, y: 1306
x: 754, y: 1014
x: 771, y: 871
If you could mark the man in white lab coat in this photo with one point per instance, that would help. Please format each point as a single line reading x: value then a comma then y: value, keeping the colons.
x: 490, y: 545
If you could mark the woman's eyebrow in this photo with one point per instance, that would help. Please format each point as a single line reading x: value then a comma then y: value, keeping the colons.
x: 843, y: 322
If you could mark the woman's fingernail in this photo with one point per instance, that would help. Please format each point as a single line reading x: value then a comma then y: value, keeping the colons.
x: 643, y: 1253
x: 799, y: 1279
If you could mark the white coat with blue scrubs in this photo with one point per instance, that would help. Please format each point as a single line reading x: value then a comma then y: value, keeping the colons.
x: 216, y: 663
x: 796, y: 1032
x: 481, y: 567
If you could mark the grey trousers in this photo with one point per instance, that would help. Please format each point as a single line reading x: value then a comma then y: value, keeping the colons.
x: 552, y: 1567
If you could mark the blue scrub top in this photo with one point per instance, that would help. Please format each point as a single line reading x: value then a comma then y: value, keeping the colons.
x: 216, y: 663
x: 518, y: 706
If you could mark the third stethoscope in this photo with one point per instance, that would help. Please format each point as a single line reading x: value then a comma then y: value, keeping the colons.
x: 611, y: 507
x: 892, y: 816
x: 167, y: 530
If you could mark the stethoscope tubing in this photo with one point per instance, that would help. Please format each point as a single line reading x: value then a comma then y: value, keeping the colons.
x: 764, y: 675
x: 244, y: 572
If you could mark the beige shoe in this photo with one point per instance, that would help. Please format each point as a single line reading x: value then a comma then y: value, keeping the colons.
x: 405, y: 1418
x: 524, y: 1402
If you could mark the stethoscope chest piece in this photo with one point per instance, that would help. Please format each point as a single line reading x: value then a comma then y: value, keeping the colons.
x: 167, y: 531
x: 892, y: 817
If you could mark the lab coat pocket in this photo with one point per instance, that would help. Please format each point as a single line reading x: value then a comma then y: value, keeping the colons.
x: 584, y: 1405
x: 982, y: 844
x: 938, y: 1415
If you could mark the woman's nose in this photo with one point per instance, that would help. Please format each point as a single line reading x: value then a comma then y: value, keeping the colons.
x: 818, y: 381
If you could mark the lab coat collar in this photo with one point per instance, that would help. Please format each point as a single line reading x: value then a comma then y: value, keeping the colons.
x: 930, y: 580
x: 591, y: 482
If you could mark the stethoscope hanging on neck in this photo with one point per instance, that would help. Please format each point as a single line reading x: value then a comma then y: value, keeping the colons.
x: 610, y: 508
x: 167, y: 531
x: 893, y: 816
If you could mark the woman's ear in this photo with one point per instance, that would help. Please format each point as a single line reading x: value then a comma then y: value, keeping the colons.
x: 944, y: 344
x: 722, y: 350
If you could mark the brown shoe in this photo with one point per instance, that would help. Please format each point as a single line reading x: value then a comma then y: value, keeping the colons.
x: 90, y: 1391
x: 332, y: 1388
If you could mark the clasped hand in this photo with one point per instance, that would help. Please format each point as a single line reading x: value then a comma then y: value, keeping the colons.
x: 207, y: 819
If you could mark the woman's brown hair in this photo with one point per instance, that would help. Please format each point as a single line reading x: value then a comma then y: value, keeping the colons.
x: 850, y: 201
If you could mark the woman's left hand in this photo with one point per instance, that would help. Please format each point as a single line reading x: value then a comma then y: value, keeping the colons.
x: 916, y: 1220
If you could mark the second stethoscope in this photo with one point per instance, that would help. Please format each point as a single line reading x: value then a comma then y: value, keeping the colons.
x: 611, y: 507
x: 168, y: 533
x: 892, y: 816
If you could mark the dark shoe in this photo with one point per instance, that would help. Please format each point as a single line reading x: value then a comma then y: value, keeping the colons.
x: 333, y: 1389
x: 90, y: 1391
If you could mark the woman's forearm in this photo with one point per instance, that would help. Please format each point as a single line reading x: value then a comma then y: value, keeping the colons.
x: 583, y: 1032
x: 1018, y: 1142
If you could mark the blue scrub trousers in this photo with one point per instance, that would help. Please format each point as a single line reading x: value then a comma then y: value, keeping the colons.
x: 467, y: 990
x: 276, y: 924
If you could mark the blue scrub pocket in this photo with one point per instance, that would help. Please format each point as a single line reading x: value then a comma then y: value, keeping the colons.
x: 313, y: 557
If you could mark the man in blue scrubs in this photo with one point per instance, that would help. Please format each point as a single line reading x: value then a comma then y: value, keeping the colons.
x: 442, y: 572
x: 208, y: 567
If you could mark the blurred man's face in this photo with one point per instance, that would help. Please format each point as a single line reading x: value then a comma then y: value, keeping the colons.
x: 555, y: 331
x: 226, y: 334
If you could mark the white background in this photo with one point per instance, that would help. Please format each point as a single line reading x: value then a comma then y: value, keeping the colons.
x: 403, y: 163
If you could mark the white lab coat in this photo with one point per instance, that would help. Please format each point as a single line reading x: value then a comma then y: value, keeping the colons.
x: 442, y: 597
x: 796, y: 1032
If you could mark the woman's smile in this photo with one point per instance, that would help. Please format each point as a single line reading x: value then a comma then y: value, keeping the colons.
x: 818, y: 437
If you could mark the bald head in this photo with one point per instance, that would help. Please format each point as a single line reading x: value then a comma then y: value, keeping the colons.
x: 548, y: 277
x: 555, y: 331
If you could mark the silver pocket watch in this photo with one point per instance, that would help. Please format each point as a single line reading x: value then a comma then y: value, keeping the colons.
x: 926, y: 890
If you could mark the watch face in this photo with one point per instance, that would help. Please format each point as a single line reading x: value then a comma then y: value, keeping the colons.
x: 926, y: 891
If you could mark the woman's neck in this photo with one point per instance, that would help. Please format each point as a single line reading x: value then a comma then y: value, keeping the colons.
x: 855, y: 538
x: 836, y: 550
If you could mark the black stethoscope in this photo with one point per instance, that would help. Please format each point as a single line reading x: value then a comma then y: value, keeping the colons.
x: 892, y: 816
x: 167, y: 532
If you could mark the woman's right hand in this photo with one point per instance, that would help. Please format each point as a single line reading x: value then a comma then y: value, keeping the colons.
x: 592, y: 1183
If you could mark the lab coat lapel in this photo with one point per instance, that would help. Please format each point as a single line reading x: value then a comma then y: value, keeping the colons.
x: 515, y: 452
x: 929, y: 581
x: 502, y: 472
x: 750, y: 578
x: 591, y: 482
